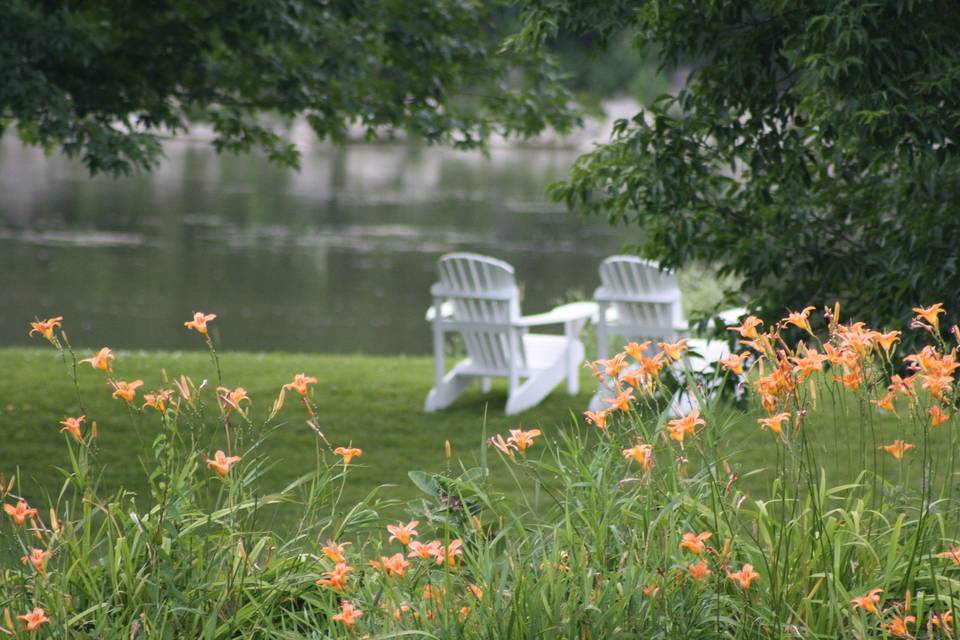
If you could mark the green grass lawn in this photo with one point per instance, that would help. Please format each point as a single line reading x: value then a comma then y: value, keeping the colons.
x: 376, y: 403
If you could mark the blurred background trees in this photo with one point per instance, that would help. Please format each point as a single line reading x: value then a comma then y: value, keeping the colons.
x: 807, y: 149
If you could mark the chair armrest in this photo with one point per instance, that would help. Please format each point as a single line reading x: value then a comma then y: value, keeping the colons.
x: 559, y: 315
x: 446, y: 311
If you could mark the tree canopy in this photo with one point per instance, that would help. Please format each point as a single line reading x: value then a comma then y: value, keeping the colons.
x: 812, y: 150
x: 105, y: 80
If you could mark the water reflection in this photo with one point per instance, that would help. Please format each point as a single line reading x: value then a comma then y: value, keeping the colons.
x: 338, y: 257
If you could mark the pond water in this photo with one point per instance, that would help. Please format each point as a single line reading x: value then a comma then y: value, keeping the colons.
x: 337, y: 257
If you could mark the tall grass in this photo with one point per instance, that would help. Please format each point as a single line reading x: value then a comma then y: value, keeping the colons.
x: 633, y: 525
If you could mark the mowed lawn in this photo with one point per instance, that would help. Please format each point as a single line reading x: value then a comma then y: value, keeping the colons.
x: 375, y: 403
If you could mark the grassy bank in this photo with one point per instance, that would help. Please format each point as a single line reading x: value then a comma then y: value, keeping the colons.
x: 375, y: 403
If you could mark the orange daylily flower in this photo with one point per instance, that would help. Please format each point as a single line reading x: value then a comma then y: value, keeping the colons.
x: 594, y: 369
x: 887, y: 340
x: 748, y: 329
x: 635, y: 350
x: 20, y: 513
x: 937, y: 416
x: 897, y: 449
x: 348, y: 615
x: 231, y: 398
x: 800, y: 319
x: 37, y: 559
x: 34, y: 619
x: 72, y: 426
x: 930, y: 314
x: 652, y: 366
x: 650, y: 590
x: 642, y: 454
x: 937, y: 385
x: 614, y: 365
x: 402, y: 533
x: 476, y: 591
x: 928, y: 360
x: 674, y: 351
x: 841, y: 357
x: 868, y: 602
x: 699, y: 571
x: 505, y: 446
x: 768, y: 402
x: 886, y: 402
x: 744, y: 577
x: 694, y: 542
x: 424, y: 551
x: 903, y: 386
x: 850, y: 379
x: 943, y: 621
x: 635, y: 377
x: 335, y: 551
x: 101, y: 360
x: 898, y: 626
x: 395, y: 565
x: 299, y: 384
x: 221, y: 463
x: 951, y: 554
x: 810, y: 362
x: 157, y: 400
x: 126, y: 391
x: 522, y: 439
x: 856, y: 337
x: 621, y: 402
x: 46, y: 327
x: 199, y: 322
x: 348, y: 453
x: 734, y: 362
x: 450, y: 553
x: 774, y: 423
x: 597, y: 418
x: 336, y: 579
x: 685, y: 426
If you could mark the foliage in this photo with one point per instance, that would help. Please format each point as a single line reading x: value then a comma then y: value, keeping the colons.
x: 106, y: 80
x: 812, y: 152
x: 641, y: 528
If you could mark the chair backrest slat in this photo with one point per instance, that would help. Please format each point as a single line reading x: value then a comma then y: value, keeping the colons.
x: 477, y: 284
x: 631, y: 277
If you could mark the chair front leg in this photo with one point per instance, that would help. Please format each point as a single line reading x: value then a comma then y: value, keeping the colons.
x: 516, y: 344
x: 571, y: 330
x: 438, y: 355
x: 602, y: 338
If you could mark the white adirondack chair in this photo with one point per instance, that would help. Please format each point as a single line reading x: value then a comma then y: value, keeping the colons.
x: 477, y: 297
x: 638, y: 301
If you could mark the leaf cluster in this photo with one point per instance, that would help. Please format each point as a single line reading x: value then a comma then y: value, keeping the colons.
x: 107, y: 80
x: 812, y: 151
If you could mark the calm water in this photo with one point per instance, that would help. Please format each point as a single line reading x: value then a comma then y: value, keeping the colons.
x: 336, y: 258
